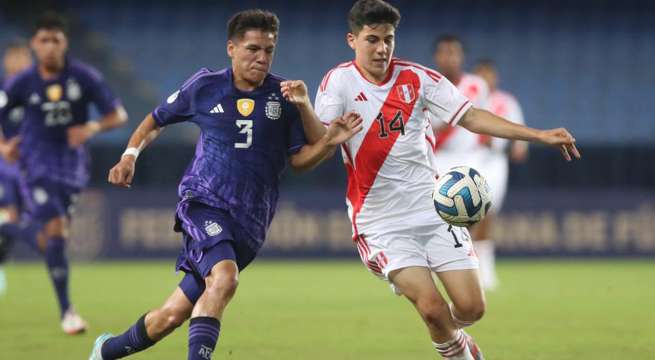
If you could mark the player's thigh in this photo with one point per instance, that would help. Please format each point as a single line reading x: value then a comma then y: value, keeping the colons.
x: 464, y: 289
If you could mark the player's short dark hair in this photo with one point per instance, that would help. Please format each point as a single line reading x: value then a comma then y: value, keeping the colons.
x: 17, y: 44
x: 253, y: 19
x: 447, y: 38
x: 372, y: 12
x: 51, y: 21
x: 485, y: 63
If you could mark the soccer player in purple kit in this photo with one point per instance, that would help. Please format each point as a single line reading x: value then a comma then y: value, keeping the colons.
x: 17, y: 57
x: 251, y: 122
x: 50, y: 146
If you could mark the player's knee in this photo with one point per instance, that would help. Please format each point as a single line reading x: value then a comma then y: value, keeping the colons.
x: 223, y: 283
x: 471, y: 310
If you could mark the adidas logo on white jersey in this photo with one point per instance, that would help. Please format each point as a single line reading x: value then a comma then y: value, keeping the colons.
x: 361, y: 97
x: 218, y: 109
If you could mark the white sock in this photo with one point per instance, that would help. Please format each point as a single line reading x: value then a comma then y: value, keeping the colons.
x: 487, y: 255
x: 456, y: 349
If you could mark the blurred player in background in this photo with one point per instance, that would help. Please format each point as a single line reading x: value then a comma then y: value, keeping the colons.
x: 17, y: 57
x: 251, y: 124
x: 496, y: 165
x: 456, y: 146
x: 391, y: 178
x: 51, y: 147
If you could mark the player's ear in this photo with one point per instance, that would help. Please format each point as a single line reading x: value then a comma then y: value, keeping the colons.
x: 350, y: 38
x: 230, y: 48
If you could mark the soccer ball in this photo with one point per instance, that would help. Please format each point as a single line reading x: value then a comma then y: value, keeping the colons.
x: 461, y: 196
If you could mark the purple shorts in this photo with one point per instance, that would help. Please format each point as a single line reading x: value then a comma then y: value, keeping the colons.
x: 210, y: 236
x: 46, y: 199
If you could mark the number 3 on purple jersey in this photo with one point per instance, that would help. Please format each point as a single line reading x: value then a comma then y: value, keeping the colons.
x: 246, y: 128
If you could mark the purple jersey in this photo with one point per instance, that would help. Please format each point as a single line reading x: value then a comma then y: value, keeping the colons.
x: 51, y: 107
x: 245, y: 140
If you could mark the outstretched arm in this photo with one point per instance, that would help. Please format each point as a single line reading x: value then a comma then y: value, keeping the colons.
x: 123, y: 172
x: 484, y: 122
x: 78, y: 135
x: 295, y: 91
x: 339, y: 131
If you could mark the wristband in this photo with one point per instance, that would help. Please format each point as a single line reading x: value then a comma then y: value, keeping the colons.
x: 132, y: 151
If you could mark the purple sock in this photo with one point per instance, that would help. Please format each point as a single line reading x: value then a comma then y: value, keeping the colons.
x: 55, y: 258
x: 203, y: 335
x: 135, y: 339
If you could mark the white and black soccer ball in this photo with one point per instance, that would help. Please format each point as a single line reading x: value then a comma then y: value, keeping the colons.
x: 461, y: 196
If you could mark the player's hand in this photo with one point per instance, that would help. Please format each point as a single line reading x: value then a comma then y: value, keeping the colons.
x: 343, y: 128
x: 295, y: 91
x: 123, y: 172
x: 79, y: 134
x: 561, y: 139
x: 9, y: 149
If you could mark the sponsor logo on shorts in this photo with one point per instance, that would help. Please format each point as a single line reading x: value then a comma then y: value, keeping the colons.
x: 212, y: 228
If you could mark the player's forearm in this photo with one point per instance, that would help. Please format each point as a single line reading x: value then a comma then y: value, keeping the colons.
x: 311, y: 155
x: 483, y: 122
x: 144, y: 134
x: 314, y: 129
x: 114, y: 119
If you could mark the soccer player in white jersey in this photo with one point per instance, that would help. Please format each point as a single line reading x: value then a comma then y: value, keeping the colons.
x: 457, y: 146
x: 390, y: 179
x: 496, y: 160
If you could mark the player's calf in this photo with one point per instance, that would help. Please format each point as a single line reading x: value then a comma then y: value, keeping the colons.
x: 205, y: 326
x: 436, y: 316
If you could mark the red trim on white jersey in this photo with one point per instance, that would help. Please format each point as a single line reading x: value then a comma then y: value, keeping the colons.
x: 386, y: 78
x: 374, y: 150
x: 445, y: 134
x: 435, y: 75
x: 326, y: 78
x: 457, y: 112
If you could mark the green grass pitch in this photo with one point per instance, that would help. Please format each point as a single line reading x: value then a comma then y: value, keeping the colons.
x: 337, y: 310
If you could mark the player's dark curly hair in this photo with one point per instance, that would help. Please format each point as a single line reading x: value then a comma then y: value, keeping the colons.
x: 447, y: 38
x: 51, y: 21
x: 254, y: 19
x: 372, y: 12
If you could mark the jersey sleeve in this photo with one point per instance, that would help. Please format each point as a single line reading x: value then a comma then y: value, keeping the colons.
x: 330, y: 103
x: 296, y: 135
x: 178, y: 107
x: 100, y: 94
x: 443, y: 101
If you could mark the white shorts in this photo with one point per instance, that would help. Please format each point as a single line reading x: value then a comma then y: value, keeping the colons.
x: 436, y: 246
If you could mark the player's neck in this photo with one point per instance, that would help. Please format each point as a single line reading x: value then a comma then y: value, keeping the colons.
x: 49, y: 73
x: 375, y: 79
x: 243, y: 84
x: 455, y: 77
